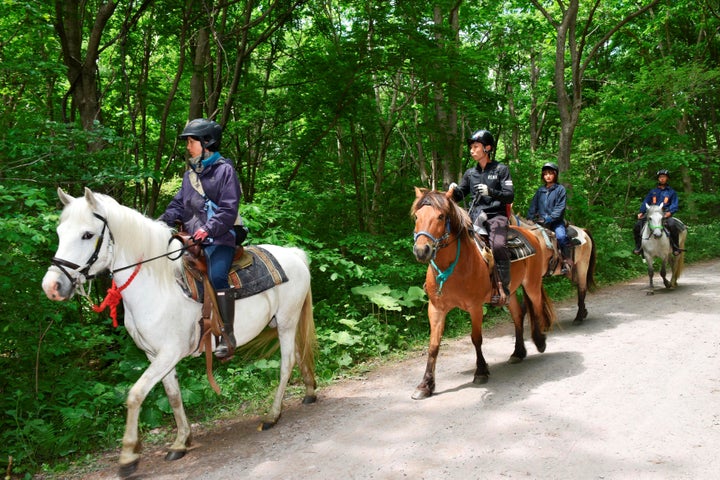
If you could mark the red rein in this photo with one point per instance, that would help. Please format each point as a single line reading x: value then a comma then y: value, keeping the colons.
x: 113, y: 297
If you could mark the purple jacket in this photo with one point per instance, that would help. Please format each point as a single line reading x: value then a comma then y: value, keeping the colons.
x: 188, y: 207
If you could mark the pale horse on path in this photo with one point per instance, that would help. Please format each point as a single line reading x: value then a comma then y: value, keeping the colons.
x: 656, y: 244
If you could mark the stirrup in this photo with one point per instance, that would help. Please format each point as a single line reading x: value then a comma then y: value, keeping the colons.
x: 499, y: 298
x: 224, y: 350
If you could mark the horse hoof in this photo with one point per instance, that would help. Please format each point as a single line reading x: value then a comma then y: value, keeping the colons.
x: 421, y: 394
x: 266, y: 425
x: 577, y: 321
x: 175, y: 455
x: 650, y: 293
x: 127, y: 470
x: 515, y: 359
x: 309, y: 399
x: 480, y: 379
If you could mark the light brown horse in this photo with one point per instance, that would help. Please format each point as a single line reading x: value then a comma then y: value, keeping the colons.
x: 458, y: 276
x: 584, y: 259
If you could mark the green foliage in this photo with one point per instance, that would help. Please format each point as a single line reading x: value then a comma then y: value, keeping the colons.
x: 336, y: 116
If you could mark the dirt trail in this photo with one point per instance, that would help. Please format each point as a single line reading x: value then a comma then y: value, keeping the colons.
x: 634, y: 393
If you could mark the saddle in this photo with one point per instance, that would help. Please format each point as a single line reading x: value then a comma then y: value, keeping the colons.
x: 253, y: 271
x: 517, y: 245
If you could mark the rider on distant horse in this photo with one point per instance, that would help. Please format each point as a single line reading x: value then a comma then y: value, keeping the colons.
x: 663, y: 195
x: 492, y: 191
x: 547, y: 208
x: 207, y: 207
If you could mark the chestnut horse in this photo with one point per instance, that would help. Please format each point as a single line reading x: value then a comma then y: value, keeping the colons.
x: 582, y: 274
x: 458, y: 276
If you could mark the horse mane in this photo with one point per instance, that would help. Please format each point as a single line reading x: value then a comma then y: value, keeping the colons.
x: 140, y: 237
x: 460, y: 222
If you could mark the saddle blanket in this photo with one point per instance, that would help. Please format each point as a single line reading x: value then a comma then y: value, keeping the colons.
x: 256, y: 271
x: 518, y: 246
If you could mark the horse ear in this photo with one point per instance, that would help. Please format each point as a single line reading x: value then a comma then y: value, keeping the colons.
x: 64, y: 197
x: 647, y: 206
x: 419, y: 192
x: 90, y: 197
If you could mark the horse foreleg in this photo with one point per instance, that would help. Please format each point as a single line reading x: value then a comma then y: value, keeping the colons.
x: 184, y: 436
x: 663, y: 274
x: 516, y: 311
x: 481, y: 368
x: 651, y: 273
x: 130, y: 453
x: 437, y: 325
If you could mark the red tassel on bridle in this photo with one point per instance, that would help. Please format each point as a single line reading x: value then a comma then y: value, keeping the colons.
x: 113, y: 297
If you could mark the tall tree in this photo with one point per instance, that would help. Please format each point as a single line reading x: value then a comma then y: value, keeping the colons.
x: 80, y: 26
x: 574, y: 38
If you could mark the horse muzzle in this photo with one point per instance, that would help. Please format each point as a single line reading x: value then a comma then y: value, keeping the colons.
x: 423, y: 253
x: 57, y: 286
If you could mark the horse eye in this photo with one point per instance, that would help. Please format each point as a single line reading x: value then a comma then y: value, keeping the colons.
x: 87, y: 236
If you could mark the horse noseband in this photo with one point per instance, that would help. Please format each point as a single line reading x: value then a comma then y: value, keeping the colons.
x: 61, y: 263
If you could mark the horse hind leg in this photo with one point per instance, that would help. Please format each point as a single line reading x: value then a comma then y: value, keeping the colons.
x: 287, y: 362
x: 582, y: 310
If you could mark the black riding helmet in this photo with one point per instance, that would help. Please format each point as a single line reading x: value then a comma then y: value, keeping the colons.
x: 551, y: 166
x: 482, y: 136
x: 208, y: 132
x: 662, y: 171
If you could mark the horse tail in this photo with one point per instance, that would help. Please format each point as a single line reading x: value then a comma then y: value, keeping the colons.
x: 592, y: 262
x: 306, y: 339
x: 548, y: 316
x: 679, y: 261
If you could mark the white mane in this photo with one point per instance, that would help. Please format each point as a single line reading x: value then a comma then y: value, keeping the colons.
x: 137, y: 236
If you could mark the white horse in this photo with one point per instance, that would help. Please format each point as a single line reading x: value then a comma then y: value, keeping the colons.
x: 97, y: 234
x: 656, y: 244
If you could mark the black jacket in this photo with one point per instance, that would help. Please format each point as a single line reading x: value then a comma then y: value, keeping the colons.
x: 500, y: 189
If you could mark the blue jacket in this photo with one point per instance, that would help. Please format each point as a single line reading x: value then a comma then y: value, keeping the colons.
x: 549, y: 203
x: 500, y: 189
x: 661, y: 196
x: 222, y: 187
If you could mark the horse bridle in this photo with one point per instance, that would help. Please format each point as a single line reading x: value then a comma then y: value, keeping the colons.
x: 61, y: 264
x: 437, y: 243
x: 83, y: 271
x: 651, y: 226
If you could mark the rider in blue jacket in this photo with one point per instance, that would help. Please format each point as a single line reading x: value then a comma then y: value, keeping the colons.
x: 547, y: 208
x: 663, y: 195
x: 207, y: 207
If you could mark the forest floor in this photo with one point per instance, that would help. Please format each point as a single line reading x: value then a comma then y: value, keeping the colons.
x: 633, y: 393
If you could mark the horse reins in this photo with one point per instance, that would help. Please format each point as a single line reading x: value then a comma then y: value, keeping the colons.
x: 61, y: 263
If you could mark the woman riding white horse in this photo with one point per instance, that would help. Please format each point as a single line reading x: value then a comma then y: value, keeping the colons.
x: 98, y: 234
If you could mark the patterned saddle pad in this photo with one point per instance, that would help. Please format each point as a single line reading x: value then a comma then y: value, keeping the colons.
x: 256, y: 271
x: 518, y: 245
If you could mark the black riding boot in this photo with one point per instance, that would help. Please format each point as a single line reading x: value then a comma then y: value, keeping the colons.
x: 674, y: 241
x: 567, y: 262
x: 637, y: 234
x: 226, y: 307
x: 503, y: 269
